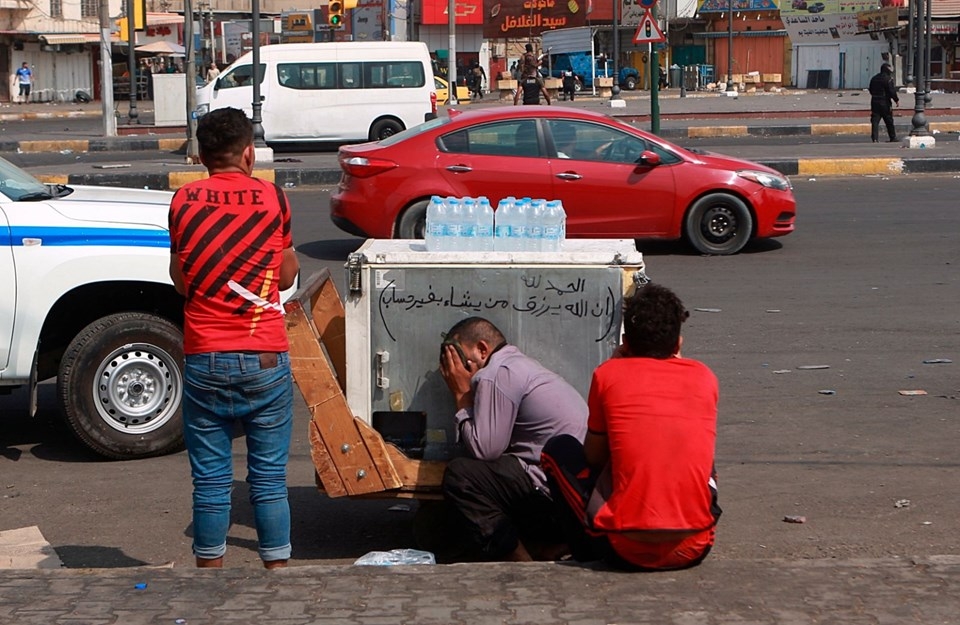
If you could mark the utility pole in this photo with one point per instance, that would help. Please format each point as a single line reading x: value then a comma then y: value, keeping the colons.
x: 132, y: 61
x: 452, y: 52
x: 190, y: 71
x: 106, y: 73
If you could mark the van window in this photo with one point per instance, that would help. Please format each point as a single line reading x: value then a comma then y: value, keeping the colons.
x: 352, y: 75
x: 307, y: 75
x: 240, y: 77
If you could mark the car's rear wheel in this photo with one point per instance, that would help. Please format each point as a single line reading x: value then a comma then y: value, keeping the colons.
x: 385, y: 128
x: 413, y: 222
x: 120, y: 386
x: 630, y: 83
x: 719, y: 223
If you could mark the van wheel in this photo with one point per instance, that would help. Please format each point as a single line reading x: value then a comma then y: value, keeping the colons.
x: 630, y: 83
x: 413, y: 222
x: 385, y: 128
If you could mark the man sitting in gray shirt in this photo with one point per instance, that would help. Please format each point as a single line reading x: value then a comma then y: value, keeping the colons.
x: 508, y: 406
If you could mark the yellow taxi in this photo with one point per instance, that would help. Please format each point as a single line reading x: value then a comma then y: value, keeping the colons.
x: 442, y: 87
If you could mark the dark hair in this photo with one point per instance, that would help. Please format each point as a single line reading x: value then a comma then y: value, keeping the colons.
x: 529, y: 47
x: 886, y: 69
x: 652, y: 318
x: 222, y: 136
x: 473, y: 329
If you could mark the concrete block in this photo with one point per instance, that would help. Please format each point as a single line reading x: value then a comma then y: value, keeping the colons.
x: 919, y: 142
x: 618, y: 103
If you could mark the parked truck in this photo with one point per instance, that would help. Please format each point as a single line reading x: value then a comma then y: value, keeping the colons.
x: 573, y: 49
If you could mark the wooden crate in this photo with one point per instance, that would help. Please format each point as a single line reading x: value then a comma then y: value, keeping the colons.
x: 350, y: 457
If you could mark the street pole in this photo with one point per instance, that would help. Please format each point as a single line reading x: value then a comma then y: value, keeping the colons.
x: 729, y: 45
x: 919, y: 119
x: 654, y: 90
x: 193, y: 152
x: 132, y: 62
x: 452, y: 51
x: 615, y: 91
x: 257, y: 105
x: 106, y: 73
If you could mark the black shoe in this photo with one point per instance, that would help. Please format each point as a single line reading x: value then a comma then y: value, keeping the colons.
x: 874, y: 140
x: 894, y: 140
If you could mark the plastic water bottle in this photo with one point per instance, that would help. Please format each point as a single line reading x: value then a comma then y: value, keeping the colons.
x: 485, y: 225
x: 469, y: 222
x: 554, y: 219
x: 534, y: 234
x: 451, y: 241
x: 505, y: 221
x: 436, y: 224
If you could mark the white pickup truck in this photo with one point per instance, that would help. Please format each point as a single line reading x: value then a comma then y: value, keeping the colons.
x: 85, y: 297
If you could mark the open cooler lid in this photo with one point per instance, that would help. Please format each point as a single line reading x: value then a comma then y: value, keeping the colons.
x: 574, y: 252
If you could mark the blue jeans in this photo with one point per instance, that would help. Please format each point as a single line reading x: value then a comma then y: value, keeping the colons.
x: 222, y: 390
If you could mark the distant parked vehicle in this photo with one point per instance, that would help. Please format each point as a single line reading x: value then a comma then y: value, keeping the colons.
x: 816, y: 7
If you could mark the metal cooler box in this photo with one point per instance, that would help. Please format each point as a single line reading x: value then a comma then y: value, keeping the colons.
x: 564, y: 309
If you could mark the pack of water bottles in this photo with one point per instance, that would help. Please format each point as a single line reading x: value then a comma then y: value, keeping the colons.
x: 518, y: 225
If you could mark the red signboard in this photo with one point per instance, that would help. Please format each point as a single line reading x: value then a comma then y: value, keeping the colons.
x: 526, y: 18
x: 467, y: 12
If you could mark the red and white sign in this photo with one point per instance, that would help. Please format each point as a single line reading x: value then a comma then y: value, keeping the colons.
x: 648, y: 31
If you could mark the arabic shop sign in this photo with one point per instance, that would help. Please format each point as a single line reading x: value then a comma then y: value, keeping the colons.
x: 467, y: 12
x: 720, y: 6
x: 525, y: 18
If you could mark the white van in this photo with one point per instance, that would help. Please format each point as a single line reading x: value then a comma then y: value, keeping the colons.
x: 342, y: 91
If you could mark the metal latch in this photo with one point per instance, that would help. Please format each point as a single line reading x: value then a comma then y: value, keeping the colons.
x: 354, y: 269
x: 640, y: 278
x: 383, y: 357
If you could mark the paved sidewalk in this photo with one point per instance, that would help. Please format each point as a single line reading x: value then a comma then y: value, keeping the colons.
x: 740, y: 592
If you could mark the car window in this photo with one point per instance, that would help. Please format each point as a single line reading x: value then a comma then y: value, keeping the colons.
x: 509, y: 138
x: 239, y: 77
x: 594, y: 142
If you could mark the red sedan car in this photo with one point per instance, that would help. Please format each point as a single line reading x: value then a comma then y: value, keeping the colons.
x: 614, y: 180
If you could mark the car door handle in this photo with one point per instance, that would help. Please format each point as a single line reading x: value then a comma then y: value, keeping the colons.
x: 459, y: 169
x: 569, y: 175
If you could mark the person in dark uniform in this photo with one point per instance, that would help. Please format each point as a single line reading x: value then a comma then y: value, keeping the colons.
x: 882, y: 93
x: 569, y: 85
x: 530, y: 88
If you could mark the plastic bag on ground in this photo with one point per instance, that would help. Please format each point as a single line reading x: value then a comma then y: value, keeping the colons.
x: 395, y: 557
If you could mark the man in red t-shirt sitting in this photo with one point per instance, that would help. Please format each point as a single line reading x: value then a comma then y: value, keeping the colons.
x: 641, y: 491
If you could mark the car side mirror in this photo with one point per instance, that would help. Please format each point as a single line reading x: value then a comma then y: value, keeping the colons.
x: 216, y: 84
x: 648, y: 159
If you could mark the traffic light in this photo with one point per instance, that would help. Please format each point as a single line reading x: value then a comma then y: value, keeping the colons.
x: 335, y: 13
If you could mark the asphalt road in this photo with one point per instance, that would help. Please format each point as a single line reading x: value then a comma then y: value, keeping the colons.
x: 867, y: 286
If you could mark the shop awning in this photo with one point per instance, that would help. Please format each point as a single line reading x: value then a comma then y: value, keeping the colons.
x: 163, y: 19
x: 95, y: 37
x: 63, y: 38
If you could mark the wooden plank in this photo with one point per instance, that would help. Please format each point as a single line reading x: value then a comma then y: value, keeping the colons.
x: 331, y: 416
x: 330, y: 321
x: 417, y: 475
x: 328, y: 479
x: 377, y: 448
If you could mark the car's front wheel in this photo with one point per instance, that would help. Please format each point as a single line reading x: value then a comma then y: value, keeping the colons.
x: 120, y: 386
x: 413, y: 222
x: 719, y: 223
x: 630, y: 83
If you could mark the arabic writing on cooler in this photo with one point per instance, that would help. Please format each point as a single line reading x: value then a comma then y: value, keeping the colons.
x: 540, y: 297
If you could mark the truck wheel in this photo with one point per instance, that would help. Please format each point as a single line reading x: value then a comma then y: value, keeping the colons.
x: 630, y: 83
x: 120, y: 386
x: 385, y: 128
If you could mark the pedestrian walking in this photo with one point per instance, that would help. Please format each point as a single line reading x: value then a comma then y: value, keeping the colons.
x: 478, y: 77
x: 569, y: 85
x: 231, y: 253
x: 882, y: 93
x: 25, y: 80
